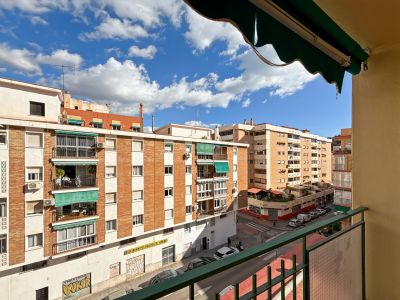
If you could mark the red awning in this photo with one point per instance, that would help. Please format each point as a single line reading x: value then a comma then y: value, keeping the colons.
x: 254, y: 190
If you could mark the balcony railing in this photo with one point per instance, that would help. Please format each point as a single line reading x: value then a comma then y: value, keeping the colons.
x: 74, y: 214
x: 302, y: 272
x: 74, y: 244
x: 204, y: 175
x: 220, y: 156
x: 74, y: 183
x: 74, y: 152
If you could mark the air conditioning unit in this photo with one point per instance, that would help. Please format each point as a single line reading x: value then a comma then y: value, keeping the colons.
x: 100, y: 145
x: 49, y: 202
x: 186, y: 155
x: 34, y: 185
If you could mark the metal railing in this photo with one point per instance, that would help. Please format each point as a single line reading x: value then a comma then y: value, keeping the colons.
x: 220, y: 156
x: 74, y: 152
x: 74, y: 183
x: 74, y: 244
x: 74, y: 214
x: 204, y: 175
x: 287, y: 276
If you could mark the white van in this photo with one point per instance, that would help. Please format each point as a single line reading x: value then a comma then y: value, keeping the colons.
x: 304, y: 217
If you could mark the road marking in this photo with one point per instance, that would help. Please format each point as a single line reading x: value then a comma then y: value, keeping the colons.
x: 258, y: 226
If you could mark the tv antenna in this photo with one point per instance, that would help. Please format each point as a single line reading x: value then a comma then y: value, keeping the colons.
x: 62, y: 66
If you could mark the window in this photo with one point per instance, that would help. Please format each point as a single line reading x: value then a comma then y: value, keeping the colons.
x: 188, y: 148
x: 168, y: 192
x: 137, y: 146
x: 188, y: 209
x: 111, y: 171
x: 3, y: 136
x: 235, y: 185
x: 35, y: 240
x: 168, y: 170
x: 36, y: 108
x: 3, y: 207
x: 34, y: 140
x: 111, y: 225
x: 168, y: 147
x: 234, y: 168
x: 188, y: 169
x: 111, y: 144
x: 115, y: 127
x: 137, y: 220
x: 168, y: 230
x: 187, y: 227
x: 169, y: 214
x: 188, y: 190
x: 3, y: 244
x: 34, y: 173
x: 137, y: 195
x: 111, y: 198
x: 76, y: 237
x: 137, y: 171
x: 235, y: 151
x: 219, y: 202
x: 34, y: 207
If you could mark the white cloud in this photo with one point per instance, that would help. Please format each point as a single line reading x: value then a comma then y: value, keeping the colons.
x: 20, y: 59
x: 246, y: 103
x: 113, y: 28
x: 36, y: 20
x: 147, y: 53
x: 60, y: 57
x: 43, y: 6
x: 125, y: 85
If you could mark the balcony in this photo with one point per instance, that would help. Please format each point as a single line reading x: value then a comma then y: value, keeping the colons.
x: 220, y: 156
x: 74, y: 212
x: 204, y: 176
x: 74, y: 183
x: 74, y: 152
x: 294, y: 166
x: 296, y: 271
x: 74, y: 244
x: 220, y: 176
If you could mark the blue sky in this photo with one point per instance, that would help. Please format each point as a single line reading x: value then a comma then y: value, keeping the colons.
x: 184, y: 68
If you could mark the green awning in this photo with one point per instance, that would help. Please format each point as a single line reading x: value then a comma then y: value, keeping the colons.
x: 98, y: 123
x: 75, y: 163
x: 259, y: 28
x: 74, y: 122
x: 68, y: 198
x: 135, y: 126
x: 341, y: 208
x: 221, y: 167
x: 76, y: 133
x: 206, y: 149
x: 73, y: 224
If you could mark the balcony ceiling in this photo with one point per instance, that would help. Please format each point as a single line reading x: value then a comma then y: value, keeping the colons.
x: 373, y: 24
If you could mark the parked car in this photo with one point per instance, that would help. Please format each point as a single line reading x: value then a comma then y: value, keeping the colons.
x: 320, y: 211
x: 304, y: 217
x: 225, y: 251
x: 120, y: 293
x: 295, y: 222
x: 314, y: 214
x: 164, y: 275
x: 198, y: 262
x: 327, y: 208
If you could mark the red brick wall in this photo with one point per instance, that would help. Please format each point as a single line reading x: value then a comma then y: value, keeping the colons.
x: 100, y: 175
x: 242, y: 177
x: 87, y: 117
x: 159, y: 218
x: 50, y: 236
x: 16, y: 236
x: 124, y: 186
x: 179, y: 183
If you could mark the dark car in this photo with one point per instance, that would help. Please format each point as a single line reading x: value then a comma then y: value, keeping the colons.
x: 198, y: 262
x: 164, y: 275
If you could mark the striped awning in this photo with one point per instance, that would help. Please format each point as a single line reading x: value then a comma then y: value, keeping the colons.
x: 97, y: 121
x: 62, y: 199
x: 115, y: 122
x: 75, y: 163
x: 135, y: 125
x: 75, y: 223
x: 76, y: 133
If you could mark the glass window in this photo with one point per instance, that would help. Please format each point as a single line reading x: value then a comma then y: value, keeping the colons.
x: 36, y: 108
x: 137, y: 195
x: 169, y: 214
x: 111, y: 225
x: 137, y: 146
x: 97, y: 125
x: 111, y: 171
x: 235, y: 168
x: 111, y: 144
x: 137, y: 170
x: 34, y: 173
x: 168, y: 192
x: 168, y: 170
x: 188, y: 169
x: 188, y: 190
x: 188, y: 148
x: 115, y: 127
x: 111, y: 198
x: 168, y: 147
x: 137, y: 220
x: 3, y: 137
x: 34, y: 207
x: 188, y: 209
x: 34, y: 139
x: 3, y: 207
x: 35, y: 240
x: 3, y: 243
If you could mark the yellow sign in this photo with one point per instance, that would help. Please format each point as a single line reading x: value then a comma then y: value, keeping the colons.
x: 77, y: 286
x: 133, y: 250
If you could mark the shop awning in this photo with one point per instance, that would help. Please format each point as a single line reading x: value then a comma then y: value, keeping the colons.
x: 75, y: 163
x: 115, y: 122
x: 205, y: 149
x: 221, y: 167
x: 298, y: 30
x: 76, y: 133
x: 135, y: 125
x: 97, y: 121
x: 74, y: 122
x: 72, y: 224
x: 62, y: 199
x: 253, y: 190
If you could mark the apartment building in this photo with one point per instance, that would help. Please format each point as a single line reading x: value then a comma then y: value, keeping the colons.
x: 281, y: 156
x: 342, y: 169
x: 83, y: 207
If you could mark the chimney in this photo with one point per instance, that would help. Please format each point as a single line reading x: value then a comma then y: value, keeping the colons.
x: 244, y: 121
x: 141, y: 116
x: 251, y: 122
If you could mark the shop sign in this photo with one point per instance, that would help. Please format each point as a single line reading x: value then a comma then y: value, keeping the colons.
x: 76, y: 287
x: 140, y: 248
